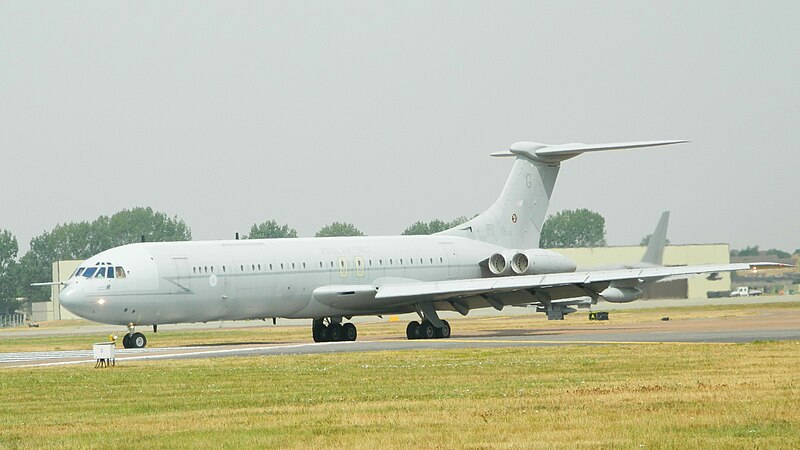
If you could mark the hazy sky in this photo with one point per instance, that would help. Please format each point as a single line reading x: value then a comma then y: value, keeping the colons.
x: 384, y: 113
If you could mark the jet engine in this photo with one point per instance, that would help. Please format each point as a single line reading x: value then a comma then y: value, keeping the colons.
x: 498, y: 264
x: 621, y: 294
x: 537, y: 261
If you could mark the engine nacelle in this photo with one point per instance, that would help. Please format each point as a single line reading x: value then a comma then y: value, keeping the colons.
x: 621, y: 294
x: 537, y: 261
x: 498, y: 264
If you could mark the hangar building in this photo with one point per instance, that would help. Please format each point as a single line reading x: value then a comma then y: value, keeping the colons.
x: 674, y: 255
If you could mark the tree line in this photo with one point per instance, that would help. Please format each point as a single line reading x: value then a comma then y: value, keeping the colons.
x: 80, y: 240
x: 755, y: 251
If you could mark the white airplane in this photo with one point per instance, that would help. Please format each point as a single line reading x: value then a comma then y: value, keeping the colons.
x: 489, y: 261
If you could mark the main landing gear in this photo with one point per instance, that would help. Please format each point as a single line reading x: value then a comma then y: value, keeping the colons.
x: 333, y: 331
x: 133, y: 339
x: 426, y: 330
x: 431, y: 327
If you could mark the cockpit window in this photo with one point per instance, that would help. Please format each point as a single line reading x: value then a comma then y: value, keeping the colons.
x: 119, y: 271
x: 78, y: 272
x: 110, y: 272
x: 89, y: 272
x: 101, y: 273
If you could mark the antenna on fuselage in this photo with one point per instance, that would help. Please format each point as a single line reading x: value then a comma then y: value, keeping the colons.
x: 142, y: 238
x: 237, y: 235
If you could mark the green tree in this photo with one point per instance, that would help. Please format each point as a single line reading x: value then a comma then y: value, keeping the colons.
x: 8, y: 266
x: 270, y: 230
x: 578, y: 228
x: 339, y: 229
x: 779, y: 253
x: 434, y: 226
x: 67, y: 241
x: 748, y: 251
x: 129, y: 225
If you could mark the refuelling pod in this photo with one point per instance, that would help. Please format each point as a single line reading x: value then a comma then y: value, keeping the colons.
x: 537, y: 261
x: 621, y: 294
x: 498, y: 264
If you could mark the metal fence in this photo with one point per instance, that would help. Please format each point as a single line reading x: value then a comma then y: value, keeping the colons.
x: 12, y: 320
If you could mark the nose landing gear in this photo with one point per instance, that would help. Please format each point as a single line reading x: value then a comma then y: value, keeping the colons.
x: 133, y: 339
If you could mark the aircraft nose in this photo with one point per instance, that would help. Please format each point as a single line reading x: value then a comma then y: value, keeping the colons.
x: 71, y: 297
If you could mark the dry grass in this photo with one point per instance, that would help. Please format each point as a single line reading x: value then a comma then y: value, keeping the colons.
x: 618, y: 396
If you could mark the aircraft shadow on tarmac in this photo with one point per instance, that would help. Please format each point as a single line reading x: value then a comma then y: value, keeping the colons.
x: 516, y: 332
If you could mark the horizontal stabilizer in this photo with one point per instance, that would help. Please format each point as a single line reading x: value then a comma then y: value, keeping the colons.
x: 561, y: 152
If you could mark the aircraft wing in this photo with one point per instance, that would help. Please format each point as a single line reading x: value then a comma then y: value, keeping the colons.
x: 553, y: 286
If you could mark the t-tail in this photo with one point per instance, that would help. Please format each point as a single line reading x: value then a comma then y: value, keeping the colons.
x: 515, y: 219
x: 654, y: 254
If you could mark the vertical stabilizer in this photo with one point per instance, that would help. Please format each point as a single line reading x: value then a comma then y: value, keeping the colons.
x: 655, y: 248
x: 515, y: 220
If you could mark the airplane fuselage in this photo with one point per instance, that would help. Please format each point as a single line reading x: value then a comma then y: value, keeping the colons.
x: 177, y: 282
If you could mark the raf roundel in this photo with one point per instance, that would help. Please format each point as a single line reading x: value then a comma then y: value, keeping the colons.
x: 212, y: 280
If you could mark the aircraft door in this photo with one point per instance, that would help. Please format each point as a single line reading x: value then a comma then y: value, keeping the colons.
x: 450, y: 259
x: 183, y: 273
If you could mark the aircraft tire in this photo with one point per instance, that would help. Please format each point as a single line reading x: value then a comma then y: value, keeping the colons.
x: 320, y: 333
x: 412, y: 330
x: 443, y: 332
x: 427, y: 330
x: 349, y: 332
x: 126, y: 341
x: 138, y: 340
x: 335, y: 332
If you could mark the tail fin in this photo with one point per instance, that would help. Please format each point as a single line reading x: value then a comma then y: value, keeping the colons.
x: 515, y: 219
x: 655, y: 247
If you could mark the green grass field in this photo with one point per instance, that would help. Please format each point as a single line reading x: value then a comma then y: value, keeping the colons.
x: 611, y: 396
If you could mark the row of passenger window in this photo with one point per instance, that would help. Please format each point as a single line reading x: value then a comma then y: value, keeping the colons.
x: 342, y: 263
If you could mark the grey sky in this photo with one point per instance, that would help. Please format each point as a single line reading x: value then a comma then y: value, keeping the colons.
x: 384, y: 113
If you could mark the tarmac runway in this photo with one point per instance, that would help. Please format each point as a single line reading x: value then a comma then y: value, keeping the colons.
x: 768, y: 325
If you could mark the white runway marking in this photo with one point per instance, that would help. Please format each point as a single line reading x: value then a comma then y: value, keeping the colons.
x: 124, y: 354
x: 69, y: 354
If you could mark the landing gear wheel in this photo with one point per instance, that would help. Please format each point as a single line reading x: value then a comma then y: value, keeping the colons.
x: 349, y: 332
x: 443, y: 332
x: 137, y: 340
x: 334, y: 332
x: 126, y: 341
x: 427, y: 330
x: 412, y: 330
x: 319, y: 332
